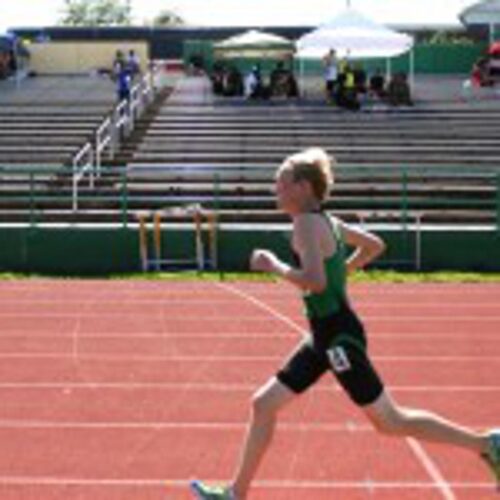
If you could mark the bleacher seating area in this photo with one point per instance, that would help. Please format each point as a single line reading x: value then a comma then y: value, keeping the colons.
x: 434, y: 163
x: 437, y: 162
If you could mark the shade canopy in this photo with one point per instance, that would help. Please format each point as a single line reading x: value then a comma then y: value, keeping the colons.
x: 352, y: 34
x: 254, y: 43
x: 485, y: 12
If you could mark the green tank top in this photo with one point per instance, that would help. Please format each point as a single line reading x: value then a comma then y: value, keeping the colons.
x: 319, y: 305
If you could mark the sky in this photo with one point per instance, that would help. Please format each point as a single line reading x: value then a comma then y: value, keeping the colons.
x: 36, y: 13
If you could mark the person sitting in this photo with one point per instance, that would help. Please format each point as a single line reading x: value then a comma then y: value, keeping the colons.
x: 233, y: 82
x: 360, y: 79
x: 217, y: 78
x: 398, y: 91
x: 282, y: 82
x: 377, y: 84
x: 279, y: 80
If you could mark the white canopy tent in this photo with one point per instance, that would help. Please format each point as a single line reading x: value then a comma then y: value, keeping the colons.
x: 254, y: 43
x: 485, y: 13
x: 354, y: 36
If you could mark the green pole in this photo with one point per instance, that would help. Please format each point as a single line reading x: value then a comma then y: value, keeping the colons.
x: 404, y: 198
x: 498, y: 204
x: 124, y: 200
x: 217, y: 235
x: 32, y: 200
x: 404, y: 211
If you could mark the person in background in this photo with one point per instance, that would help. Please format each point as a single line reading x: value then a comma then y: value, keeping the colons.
x: 331, y: 71
x: 133, y: 64
x: 377, y: 84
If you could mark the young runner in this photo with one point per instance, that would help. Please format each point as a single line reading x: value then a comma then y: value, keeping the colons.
x: 337, y: 341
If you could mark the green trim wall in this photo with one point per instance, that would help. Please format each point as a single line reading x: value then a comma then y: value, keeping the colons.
x: 430, y: 59
x: 82, y: 251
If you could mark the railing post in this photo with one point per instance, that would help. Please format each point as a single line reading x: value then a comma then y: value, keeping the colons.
x: 75, y: 194
x: 92, y: 173
x: 404, y: 212
x: 498, y: 204
x: 32, y: 200
x: 124, y: 200
x: 404, y: 198
x: 215, y: 222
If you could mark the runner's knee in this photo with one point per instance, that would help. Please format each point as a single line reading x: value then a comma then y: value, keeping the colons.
x: 262, y: 407
x: 391, y: 421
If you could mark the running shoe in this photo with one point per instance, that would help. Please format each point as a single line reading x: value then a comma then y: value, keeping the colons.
x: 206, y: 492
x: 492, y: 455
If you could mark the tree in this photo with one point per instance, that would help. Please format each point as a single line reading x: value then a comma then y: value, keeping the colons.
x: 97, y: 13
x: 168, y: 18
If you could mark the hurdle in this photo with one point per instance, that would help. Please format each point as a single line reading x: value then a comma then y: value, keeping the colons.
x: 205, y: 230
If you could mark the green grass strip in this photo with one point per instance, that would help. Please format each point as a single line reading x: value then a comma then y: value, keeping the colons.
x: 358, y: 277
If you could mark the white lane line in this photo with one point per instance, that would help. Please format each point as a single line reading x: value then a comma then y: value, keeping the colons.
x: 7, y: 334
x: 215, y: 426
x: 267, y: 484
x: 120, y: 358
x: 432, y: 469
x: 214, y: 316
x: 67, y: 387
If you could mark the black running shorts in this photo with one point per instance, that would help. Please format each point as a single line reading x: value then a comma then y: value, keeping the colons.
x: 337, y: 343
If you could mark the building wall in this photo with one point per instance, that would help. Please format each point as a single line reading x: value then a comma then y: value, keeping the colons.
x: 73, y: 57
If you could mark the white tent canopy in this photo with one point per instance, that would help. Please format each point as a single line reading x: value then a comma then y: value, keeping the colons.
x: 254, y: 43
x: 355, y: 36
x: 485, y: 13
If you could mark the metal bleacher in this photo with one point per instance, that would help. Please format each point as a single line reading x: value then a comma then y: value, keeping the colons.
x: 438, y: 162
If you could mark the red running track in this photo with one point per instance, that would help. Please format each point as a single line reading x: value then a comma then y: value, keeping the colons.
x: 126, y: 390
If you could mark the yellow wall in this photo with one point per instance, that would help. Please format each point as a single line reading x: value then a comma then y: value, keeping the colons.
x: 81, y: 57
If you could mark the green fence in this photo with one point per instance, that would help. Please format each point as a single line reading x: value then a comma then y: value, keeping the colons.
x: 402, y: 204
x: 429, y: 59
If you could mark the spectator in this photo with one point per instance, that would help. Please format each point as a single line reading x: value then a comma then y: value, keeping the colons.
x: 494, y: 68
x: 118, y: 63
x: 233, y: 82
x: 218, y: 78
x: 377, y: 84
x: 282, y: 82
x: 133, y: 64
x: 346, y: 90
x: 398, y: 92
x: 253, y: 84
x: 359, y: 78
x: 331, y: 74
x: 123, y: 82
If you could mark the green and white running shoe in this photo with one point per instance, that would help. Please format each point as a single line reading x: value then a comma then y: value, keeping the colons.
x: 492, y: 456
x: 205, y: 492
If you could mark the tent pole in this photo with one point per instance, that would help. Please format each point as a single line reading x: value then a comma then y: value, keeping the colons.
x: 302, y: 91
x: 412, y: 69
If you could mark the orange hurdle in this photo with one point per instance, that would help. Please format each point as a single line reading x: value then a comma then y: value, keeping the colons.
x: 203, y: 220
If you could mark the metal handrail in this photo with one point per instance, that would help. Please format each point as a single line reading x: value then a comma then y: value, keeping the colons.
x: 103, y: 140
x: 79, y: 171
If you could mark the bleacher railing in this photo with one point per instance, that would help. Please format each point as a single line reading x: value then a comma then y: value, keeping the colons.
x: 83, y: 163
x: 103, y: 140
x: 404, y: 199
x: 112, y: 131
